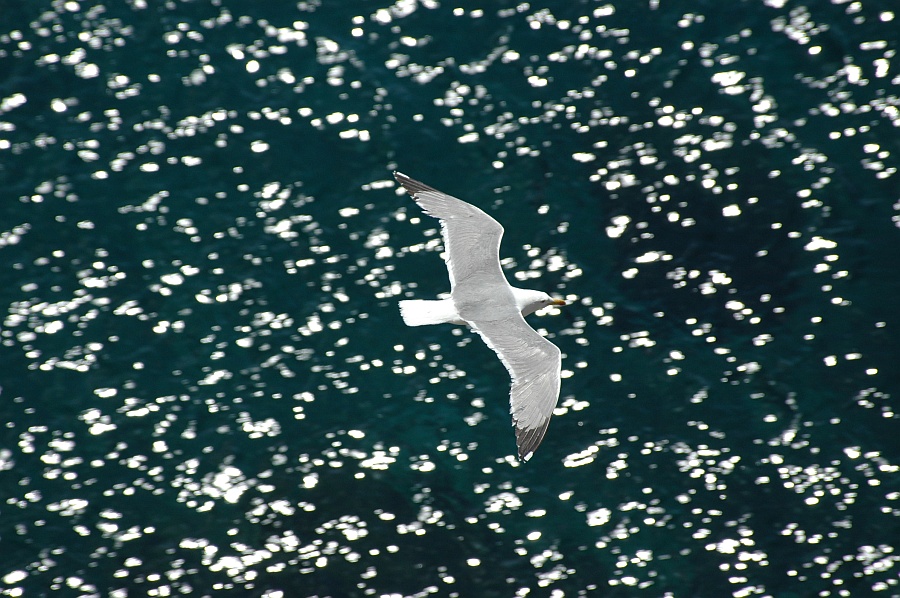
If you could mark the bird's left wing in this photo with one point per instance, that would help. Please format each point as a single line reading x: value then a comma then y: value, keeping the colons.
x: 471, y: 237
x: 534, y: 363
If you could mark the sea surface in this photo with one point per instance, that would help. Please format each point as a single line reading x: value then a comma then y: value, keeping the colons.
x: 206, y: 387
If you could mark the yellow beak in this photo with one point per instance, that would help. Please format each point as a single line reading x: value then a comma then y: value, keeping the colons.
x: 559, y: 302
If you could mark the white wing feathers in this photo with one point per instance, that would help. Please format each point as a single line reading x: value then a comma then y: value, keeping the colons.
x: 534, y: 364
x: 470, y: 236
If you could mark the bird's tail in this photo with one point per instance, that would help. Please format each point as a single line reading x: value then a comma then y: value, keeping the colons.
x: 417, y: 312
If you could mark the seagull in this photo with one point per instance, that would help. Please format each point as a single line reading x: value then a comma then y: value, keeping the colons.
x: 481, y: 298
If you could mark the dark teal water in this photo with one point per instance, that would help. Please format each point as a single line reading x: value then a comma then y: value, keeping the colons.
x: 206, y: 385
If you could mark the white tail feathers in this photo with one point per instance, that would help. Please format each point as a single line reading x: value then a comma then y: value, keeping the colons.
x: 417, y: 312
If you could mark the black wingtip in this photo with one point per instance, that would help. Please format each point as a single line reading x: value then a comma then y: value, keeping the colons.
x: 411, y: 185
x: 402, y: 178
x: 528, y: 440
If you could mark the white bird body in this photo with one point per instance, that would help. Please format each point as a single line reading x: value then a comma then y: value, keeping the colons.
x: 422, y: 312
x: 481, y: 298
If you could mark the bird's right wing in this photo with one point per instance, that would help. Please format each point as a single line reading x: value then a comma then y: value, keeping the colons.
x: 471, y: 237
x: 534, y: 363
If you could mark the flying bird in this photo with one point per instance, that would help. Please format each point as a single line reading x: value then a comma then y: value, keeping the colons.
x: 481, y: 298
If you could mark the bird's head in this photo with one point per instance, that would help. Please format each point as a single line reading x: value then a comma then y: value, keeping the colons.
x: 548, y: 300
x: 529, y: 301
